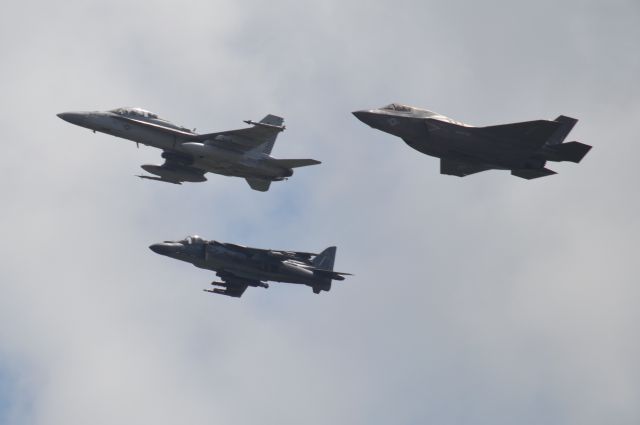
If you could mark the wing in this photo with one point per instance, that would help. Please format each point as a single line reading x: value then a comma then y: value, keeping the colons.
x: 517, y: 141
x: 461, y: 168
x: 233, y: 285
x: 176, y: 169
x: 263, y: 134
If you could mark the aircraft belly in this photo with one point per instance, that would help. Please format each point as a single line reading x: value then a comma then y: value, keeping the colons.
x: 467, y: 146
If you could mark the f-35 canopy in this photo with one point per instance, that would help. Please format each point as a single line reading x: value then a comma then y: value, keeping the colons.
x: 422, y: 113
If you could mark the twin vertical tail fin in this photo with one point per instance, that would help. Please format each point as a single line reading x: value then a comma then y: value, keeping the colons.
x: 570, y: 151
x: 561, y: 133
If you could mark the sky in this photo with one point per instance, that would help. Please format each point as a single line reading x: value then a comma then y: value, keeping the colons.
x: 482, y: 300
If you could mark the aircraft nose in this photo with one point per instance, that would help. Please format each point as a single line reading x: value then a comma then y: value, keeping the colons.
x: 77, y: 118
x: 368, y: 117
x: 364, y: 116
x: 360, y: 114
x: 160, y: 248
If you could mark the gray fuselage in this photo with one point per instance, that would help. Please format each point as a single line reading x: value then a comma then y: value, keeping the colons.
x: 442, y: 137
x: 147, y: 128
x: 228, y: 259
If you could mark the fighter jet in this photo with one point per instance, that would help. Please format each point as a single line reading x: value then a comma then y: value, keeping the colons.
x: 240, y: 267
x: 524, y: 147
x: 188, y: 156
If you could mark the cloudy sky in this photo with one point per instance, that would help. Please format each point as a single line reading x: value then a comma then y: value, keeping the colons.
x: 483, y: 300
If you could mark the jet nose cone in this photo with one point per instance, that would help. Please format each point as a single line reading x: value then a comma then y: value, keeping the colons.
x: 160, y: 248
x: 361, y: 115
x: 368, y: 117
x: 77, y: 118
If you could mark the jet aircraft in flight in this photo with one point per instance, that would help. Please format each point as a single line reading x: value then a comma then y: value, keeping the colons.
x: 188, y: 156
x: 239, y: 267
x: 524, y: 147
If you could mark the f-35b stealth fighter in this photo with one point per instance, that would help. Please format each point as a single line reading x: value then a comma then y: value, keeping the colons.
x: 524, y: 147
x: 188, y: 155
x: 240, y: 267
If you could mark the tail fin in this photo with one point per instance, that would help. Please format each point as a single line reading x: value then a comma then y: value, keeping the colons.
x: 272, y: 120
x: 566, y: 125
x: 572, y: 151
x: 270, y: 140
x: 325, y: 259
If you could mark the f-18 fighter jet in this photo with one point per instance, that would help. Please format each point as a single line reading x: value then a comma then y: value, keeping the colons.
x: 188, y: 156
x: 239, y: 267
x: 524, y: 147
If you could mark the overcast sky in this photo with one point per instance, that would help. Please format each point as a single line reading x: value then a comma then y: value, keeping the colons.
x: 483, y: 300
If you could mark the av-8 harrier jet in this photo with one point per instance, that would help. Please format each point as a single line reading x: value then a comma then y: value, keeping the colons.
x: 188, y: 156
x: 240, y: 267
x: 524, y: 147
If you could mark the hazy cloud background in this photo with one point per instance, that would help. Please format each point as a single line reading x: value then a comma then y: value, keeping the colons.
x: 484, y: 300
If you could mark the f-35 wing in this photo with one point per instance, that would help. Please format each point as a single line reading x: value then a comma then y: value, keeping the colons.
x: 522, y: 139
x: 262, y: 133
x: 461, y: 168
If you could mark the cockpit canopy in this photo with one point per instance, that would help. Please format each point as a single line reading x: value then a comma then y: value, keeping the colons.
x: 397, y: 107
x: 190, y: 240
x: 139, y: 112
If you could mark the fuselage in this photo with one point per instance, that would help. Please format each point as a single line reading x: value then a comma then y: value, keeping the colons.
x: 442, y: 137
x: 144, y: 127
x: 234, y: 260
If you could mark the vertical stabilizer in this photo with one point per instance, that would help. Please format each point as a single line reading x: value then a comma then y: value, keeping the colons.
x: 561, y: 133
x: 270, y: 137
x: 325, y: 259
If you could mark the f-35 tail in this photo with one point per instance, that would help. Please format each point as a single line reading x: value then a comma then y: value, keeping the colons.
x: 561, y: 133
x: 571, y: 151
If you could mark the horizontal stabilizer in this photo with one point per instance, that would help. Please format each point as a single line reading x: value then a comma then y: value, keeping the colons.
x: 330, y: 274
x: 295, y: 163
x: 572, y: 151
x: 532, y: 173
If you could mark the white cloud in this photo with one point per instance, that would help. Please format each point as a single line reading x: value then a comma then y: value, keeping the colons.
x: 478, y: 300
